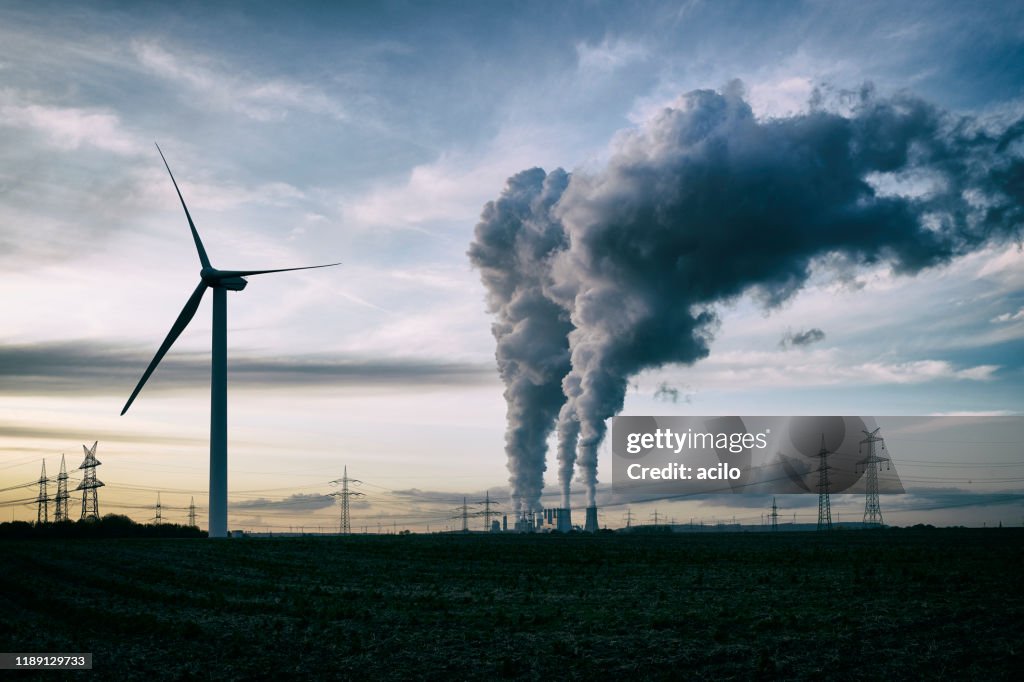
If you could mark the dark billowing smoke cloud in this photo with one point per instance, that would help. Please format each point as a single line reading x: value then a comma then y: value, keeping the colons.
x: 86, y: 367
x: 515, y: 240
x: 804, y: 338
x: 706, y: 203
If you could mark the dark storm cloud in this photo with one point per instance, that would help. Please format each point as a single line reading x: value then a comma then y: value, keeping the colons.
x: 706, y: 203
x: 803, y: 338
x: 89, y: 368
x: 432, y: 496
x: 930, y: 499
x: 8, y: 430
x: 416, y: 495
x: 515, y: 239
x: 296, y: 503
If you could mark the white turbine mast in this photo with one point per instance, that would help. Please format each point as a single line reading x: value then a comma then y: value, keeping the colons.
x: 221, y: 281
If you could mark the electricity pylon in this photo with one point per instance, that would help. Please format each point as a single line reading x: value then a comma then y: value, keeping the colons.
x: 487, y: 513
x: 60, y: 513
x: 824, y: 505
x: 463, y: 511
x: 870, y: 465
x: 345, y: 524
x: 43, y: 510
x: 89, y: 484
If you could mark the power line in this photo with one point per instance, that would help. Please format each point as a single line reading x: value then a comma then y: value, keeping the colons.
x: 19, y: 486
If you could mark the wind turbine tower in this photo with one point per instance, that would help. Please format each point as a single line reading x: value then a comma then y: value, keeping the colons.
x: 221, y: 281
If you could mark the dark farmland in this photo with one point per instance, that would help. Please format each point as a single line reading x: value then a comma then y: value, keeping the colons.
x: 903, y: 604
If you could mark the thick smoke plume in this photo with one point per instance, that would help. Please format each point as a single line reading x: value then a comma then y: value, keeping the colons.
x: 706, y: 203
x: 515, y: 240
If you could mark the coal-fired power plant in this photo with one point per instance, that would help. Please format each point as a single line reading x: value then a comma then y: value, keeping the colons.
x: 595, y: 276
x: 557, y: 520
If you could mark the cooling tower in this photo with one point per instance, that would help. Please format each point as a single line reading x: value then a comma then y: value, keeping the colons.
x: 564, y: 520
x: 591, y: 525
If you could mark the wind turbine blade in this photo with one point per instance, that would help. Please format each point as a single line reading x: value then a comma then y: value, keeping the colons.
x: 246, y: 273
x: 184, y: 317
x: 195, y: 233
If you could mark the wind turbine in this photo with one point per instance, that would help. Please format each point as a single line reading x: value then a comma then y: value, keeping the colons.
x: 221, y: 281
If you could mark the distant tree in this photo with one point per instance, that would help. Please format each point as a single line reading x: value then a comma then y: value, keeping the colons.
x: 110, y: 526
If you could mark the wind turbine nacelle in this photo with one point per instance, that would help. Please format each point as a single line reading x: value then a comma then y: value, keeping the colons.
x: 212, y: 277
x: 231, y: 283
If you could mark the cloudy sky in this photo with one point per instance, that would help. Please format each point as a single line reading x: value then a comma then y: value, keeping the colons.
x: 374, y: 136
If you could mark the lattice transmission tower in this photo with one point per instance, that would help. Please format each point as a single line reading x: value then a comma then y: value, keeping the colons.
x: 487, y: 513
x: 158, y: 518
x: 775, y: 515
x: 871, y: 464
x: 192, y: 512
x: 464, y: 511
x: 345, y: 523
x: 60, y: 511
x: 89, y: 484
x: 824, y: 505
x: 43, y: 510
